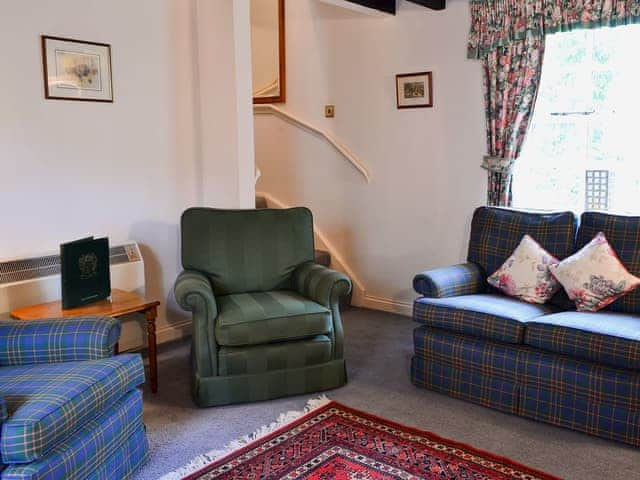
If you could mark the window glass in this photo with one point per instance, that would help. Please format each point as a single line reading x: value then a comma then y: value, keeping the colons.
x: 585, y: 123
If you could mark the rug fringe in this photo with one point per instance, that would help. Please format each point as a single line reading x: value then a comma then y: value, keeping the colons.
x: 283, y: 419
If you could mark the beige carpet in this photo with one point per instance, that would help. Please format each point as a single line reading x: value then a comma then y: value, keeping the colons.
x: 378, y: 351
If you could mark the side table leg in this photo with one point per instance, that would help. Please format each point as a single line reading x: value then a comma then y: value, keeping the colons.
x: 150, y: 315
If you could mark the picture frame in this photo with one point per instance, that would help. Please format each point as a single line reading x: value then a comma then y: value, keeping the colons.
x: 414, y: 90
x: 76, y: 70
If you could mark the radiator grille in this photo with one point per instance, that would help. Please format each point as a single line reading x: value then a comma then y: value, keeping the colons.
x: 48, y: 265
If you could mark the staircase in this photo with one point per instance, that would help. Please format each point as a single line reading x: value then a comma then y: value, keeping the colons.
x: 323, y: 257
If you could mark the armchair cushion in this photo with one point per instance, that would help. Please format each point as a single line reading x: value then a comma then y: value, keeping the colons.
x: 57, y: 340
x: 47, y: 403
x: 265, y: 317
x: 464, y: 279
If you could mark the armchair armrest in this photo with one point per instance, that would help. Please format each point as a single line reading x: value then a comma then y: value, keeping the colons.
x: 324, y: 286
x: 193, y: 293
x: 321, y: 284
x: 463, y: 279
x: 57, y: 340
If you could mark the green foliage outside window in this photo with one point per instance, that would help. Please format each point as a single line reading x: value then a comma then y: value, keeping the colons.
x: 585, y: 118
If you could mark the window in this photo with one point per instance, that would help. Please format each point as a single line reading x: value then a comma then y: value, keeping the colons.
x: 583, y: 148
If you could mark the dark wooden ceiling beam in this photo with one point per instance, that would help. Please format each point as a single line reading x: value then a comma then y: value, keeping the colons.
x: 433, y: 4
x: 387, y: 6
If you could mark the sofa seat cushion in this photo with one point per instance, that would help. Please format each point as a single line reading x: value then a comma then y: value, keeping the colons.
x: 491, y: 316
x: 47, y: 403
x: 258, y: 359
x: 603, y: 337
x: 265, y: 317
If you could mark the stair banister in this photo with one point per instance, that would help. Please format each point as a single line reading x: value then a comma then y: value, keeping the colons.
x: 268, y: 108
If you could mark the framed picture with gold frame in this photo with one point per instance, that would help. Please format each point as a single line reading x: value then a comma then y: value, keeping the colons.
x: 414, y: 90
x: 76, y: 70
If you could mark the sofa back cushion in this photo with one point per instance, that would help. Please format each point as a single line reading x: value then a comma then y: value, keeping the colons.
x: 623, y: 233
x: 496, y: 232
x: 247, y: 250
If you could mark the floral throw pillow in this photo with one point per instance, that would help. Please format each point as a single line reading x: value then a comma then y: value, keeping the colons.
x: 594, y: 277
x: 525, y: 275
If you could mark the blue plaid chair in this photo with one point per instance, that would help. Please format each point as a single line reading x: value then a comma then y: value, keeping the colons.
x: 545, y: 362
x: 69, y: 408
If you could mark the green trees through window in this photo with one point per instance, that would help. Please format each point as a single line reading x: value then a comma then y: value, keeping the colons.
x: 586, y: 119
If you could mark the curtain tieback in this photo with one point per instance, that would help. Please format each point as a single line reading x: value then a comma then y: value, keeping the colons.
x: 497, y: 164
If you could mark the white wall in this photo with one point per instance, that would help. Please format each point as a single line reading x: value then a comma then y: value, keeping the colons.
x: 127, y: 169
x: 426, y: 178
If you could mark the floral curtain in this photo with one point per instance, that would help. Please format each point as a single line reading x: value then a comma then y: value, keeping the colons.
x: 497, y: 23
x: 509, y: 37
x: 511, y: 80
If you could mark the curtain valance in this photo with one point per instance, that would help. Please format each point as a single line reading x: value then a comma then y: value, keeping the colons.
x: 496, y: 23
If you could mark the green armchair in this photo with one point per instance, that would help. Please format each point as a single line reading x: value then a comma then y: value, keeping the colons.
x: 266, y: 319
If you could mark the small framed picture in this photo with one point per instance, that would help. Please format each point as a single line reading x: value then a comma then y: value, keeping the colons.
x: 76, y: 70
x: 414, y: 90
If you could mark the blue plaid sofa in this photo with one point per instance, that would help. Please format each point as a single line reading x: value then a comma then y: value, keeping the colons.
x: 544, y: 362
x: 69, y: 408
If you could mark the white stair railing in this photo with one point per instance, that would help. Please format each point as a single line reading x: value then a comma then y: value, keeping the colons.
x: 271, y: 109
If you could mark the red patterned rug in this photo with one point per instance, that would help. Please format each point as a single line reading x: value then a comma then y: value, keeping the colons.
x: 335, y: 442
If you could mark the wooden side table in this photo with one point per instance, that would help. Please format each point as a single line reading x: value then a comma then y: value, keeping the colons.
x: 120, y: 303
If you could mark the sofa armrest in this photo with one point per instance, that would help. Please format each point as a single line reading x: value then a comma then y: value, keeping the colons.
x: 57, y: 340
x: 463, y: 279
x: 321, y: 284
x: 193, y: 293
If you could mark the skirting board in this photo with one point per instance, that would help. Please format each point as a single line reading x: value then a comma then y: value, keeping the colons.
x: 385, y: 305
x: 174, y: 332
x: 166, y: 334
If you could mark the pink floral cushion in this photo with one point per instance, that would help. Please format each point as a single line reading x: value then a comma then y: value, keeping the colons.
x: 594, y: 277
x: 525, y: 275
